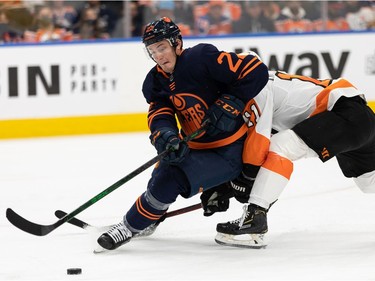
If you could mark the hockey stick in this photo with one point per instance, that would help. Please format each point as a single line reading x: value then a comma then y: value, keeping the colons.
x: 41, y: 230
x: 82, y: 224
x: 73, y: 221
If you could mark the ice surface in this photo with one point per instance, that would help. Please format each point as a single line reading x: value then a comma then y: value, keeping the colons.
x: 322, y: 228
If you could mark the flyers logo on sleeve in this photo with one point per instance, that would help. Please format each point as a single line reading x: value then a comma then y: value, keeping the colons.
x: 251, y: 113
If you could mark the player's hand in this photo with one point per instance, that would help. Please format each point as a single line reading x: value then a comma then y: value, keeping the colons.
x: 223, y: 114
x: 216, y: 199
x: 241, y: 187
x: 167, y: 138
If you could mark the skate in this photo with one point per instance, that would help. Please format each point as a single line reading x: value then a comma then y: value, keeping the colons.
x: 116, y: 236
x: 247, y: 231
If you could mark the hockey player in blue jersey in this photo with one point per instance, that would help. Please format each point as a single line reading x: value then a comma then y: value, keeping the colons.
x: 190, y: 85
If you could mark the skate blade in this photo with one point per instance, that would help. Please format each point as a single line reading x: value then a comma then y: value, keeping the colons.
x: 98, y: 249
x: 252, y: 241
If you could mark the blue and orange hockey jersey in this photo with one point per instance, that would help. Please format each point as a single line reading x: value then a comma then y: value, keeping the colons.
x: 202, y: 74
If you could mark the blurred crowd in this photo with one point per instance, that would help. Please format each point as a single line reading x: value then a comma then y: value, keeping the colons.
x: 46, y: 21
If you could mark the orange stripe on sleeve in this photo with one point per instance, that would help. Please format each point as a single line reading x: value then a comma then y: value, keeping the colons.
x: 164, y: 110
x: 251, y: 69
x: 279, y: 165
x: 246, y: 66
x: 323, y: 97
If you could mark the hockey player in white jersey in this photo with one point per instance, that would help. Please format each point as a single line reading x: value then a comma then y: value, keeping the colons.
x: 312, y: 118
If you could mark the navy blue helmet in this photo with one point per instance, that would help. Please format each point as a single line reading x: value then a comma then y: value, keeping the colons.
x: 161, y: 29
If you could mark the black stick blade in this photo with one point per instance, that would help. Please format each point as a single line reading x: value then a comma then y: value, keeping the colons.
x: 74, y: 221
x: 27, y: 226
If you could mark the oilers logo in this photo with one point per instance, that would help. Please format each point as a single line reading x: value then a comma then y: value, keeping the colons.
x: 190, y: 111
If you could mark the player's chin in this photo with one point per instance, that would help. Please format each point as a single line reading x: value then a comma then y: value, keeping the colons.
x: 167, y: 67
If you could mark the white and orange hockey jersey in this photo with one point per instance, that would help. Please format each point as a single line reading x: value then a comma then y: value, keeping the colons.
x: 285, y: 101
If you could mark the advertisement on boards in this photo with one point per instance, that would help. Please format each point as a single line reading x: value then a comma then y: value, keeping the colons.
x: 92, y: 80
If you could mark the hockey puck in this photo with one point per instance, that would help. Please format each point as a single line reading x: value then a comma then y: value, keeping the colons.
x: 74, y: 271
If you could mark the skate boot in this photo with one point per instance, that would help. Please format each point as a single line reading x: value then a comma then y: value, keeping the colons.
x: 247, y: 231
x: 116, y: 236
x: 148, y: 231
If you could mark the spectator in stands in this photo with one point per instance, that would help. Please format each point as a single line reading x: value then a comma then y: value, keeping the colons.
x: 18, y: 16
x: 150, y: 11
x: 215, y: 21
x: 253, y: 20
x: 89, y: 26
x: 336, y: 18
x: 136, y: 28
x: 271, y: 9
x: 46, y: 31
x: 167, y: 9
x: 183, y: 12
x: 293, y: 19
x: 105, y: 18
x: 313, y: 9
x: 360, y: 15
x: 63, y: 14
x: 136, y: 12
x: 8, y: 34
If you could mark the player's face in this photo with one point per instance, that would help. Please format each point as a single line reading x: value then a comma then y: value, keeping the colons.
x: 164, y: 55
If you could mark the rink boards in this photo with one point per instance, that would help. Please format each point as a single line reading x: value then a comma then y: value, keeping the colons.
x: 95, y: 87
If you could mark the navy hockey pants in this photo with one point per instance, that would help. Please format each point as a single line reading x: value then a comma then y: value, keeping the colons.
x: 201, y: 170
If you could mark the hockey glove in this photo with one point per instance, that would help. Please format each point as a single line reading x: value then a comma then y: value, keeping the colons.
x: 223, y: 114
x: 242, y: 186
x: 167, y: 138
x: 216, y: 199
